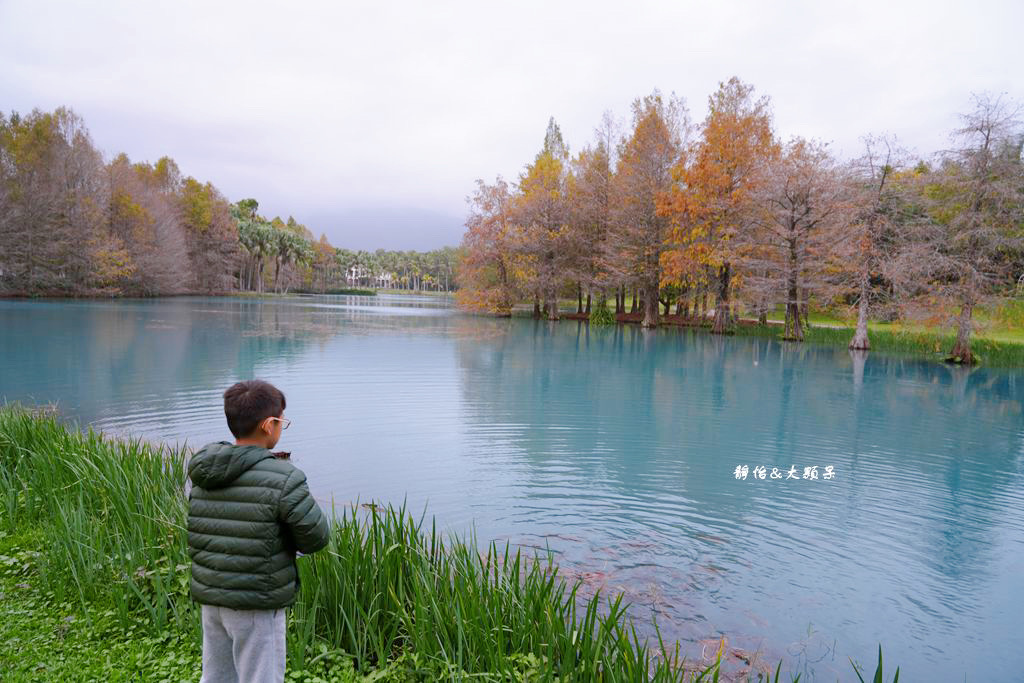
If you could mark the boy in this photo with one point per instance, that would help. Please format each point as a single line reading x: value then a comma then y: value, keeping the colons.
x: 248, y: 513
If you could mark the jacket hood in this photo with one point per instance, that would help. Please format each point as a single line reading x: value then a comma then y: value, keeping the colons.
x: 217, y: 465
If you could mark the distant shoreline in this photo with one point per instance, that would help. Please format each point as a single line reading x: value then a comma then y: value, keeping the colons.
x: 92, y: 296
x: 927, y: 343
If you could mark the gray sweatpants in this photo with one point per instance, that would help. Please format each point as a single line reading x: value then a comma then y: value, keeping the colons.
x: 243, y: 645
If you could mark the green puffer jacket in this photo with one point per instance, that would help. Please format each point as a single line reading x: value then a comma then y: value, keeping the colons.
x: 248, y: 513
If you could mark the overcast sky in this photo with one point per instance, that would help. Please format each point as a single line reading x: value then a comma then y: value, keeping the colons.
x: 370, y: 121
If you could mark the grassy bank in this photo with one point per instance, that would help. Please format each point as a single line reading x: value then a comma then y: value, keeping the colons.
x: 1000, y: 344
x: 926, y: 343
x: 922, y: 342
x: 94, y: 573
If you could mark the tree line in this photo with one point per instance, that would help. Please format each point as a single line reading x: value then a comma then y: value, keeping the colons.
x: 726, y: 214
x: 73, y: 224
x: 281, y: 255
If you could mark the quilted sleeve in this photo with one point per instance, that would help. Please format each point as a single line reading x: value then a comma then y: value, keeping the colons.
x: 300, y: 512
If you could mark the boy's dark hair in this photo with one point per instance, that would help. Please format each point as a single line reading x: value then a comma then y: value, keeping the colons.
x: 246, y: 404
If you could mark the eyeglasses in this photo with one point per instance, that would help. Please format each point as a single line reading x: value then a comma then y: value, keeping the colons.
x: 285, y: 422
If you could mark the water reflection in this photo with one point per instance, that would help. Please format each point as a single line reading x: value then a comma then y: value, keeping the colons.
x: 630, y: 439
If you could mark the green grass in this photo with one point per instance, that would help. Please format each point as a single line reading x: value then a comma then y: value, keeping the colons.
x: 602, y: 315
x: 46, y: 638
x: 999, y: 342
x: 918, y: 341
x: 69, y: 484
x: 387, y: 584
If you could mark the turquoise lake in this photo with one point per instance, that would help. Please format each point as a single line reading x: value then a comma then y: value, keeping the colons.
x: 618, y: 449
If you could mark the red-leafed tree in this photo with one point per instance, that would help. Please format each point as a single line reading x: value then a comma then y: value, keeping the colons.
x: 798, y: 206
x: 963, y: 255
x: 487, y: 276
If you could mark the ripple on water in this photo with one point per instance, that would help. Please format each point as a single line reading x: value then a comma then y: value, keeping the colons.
x: 616, y: 450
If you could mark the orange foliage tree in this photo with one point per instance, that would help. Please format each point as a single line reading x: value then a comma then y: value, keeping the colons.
x: 541, y: 210
x: 487, y: 271
x: 590, y: 221
x: 643, y: 176
x: 711, y: 202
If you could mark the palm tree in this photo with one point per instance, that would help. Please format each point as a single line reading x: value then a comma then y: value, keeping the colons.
x: 289, y: 248
x: 345, y: 260
x: 259, y: 241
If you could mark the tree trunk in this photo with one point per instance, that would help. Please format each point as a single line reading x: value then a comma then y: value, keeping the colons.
x: 805, y: 308
x: 793, y: 330
x: 961, y: 352
x: 704, y: 305
x: 536, y: 306
x: 632, y: 308
x: 551, y: 307
x: 579, y: 298
x: 587, y: 311
x: 721, y: 325
x: 763, y: 304
x: 651, y: 307
x: 860, y: 337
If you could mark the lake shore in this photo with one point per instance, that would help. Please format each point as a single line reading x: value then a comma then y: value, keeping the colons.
x: 1003, y: 349
x: 382, y: 598
x: 931, y: 343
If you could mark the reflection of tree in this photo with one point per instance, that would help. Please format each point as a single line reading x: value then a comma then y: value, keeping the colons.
x: 943, y: 440
x: 628, y: 435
